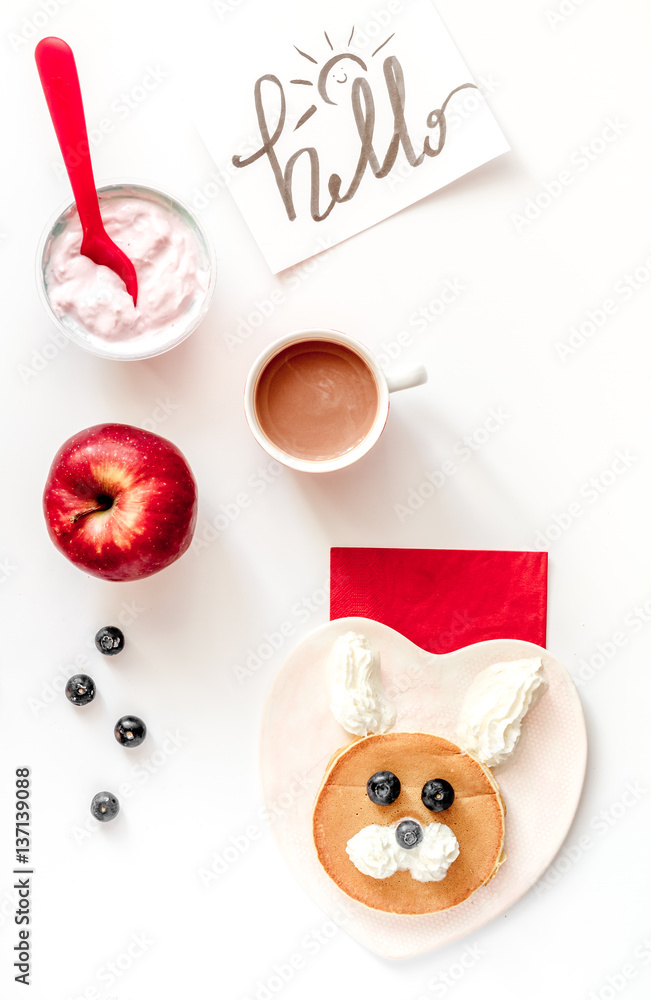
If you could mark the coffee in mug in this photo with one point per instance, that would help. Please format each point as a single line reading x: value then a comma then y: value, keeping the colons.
x: 318, y: 400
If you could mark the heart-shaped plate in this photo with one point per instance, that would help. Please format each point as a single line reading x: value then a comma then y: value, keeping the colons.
x: 541, y: 784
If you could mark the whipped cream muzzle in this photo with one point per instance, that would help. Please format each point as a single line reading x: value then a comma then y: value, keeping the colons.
x: 375, y: 851
x: 173, y: 266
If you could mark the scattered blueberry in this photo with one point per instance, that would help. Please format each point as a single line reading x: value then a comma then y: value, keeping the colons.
x: 383, y: 788
x: 104, y: 806
x: 409, y: 833
x: 110, y: 640
x: 130, y: 731
x: 80, y: 689
x: 437, y: 795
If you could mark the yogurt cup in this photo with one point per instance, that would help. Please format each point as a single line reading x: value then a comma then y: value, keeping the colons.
x: 174, y: 262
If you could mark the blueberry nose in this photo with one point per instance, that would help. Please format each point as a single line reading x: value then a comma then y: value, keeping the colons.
x: 409, y: 833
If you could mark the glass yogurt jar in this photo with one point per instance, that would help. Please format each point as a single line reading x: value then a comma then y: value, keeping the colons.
x: 174, y: 263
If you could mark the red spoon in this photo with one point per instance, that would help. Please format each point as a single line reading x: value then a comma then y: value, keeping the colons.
x: 60, y: 82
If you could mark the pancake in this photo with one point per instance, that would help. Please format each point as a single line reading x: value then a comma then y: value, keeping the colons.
x: 343, y: 808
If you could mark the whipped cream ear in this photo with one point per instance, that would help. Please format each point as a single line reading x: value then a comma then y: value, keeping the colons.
x: 496, y: 703
x: 359, y: 702
x: 375, y: 851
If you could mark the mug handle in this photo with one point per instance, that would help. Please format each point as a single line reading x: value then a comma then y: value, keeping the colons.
x: 408, y: 377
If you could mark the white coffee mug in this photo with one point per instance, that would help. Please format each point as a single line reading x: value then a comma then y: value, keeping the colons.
x: 369, y: 372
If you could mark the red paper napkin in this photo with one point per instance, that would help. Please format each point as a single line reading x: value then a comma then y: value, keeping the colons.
x: 443, y: 599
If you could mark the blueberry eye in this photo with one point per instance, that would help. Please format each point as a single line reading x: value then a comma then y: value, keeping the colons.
x: 383, y: 788
x: 437, y: 795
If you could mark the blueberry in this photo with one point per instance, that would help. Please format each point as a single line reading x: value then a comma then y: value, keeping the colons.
x: 110, y: 640
x: 104, y: 806
x: 80, y: 689
x: 130, y: 731
x: 383, y: 788
x: 409, y: 833
x: 437, y: 794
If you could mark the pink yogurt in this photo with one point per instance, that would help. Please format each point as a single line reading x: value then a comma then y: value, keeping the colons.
x: 173, y: 263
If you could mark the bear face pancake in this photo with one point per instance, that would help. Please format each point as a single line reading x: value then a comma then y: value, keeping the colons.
x: 343, y: 808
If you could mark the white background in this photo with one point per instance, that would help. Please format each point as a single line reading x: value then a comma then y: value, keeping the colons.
x: 525, y: 285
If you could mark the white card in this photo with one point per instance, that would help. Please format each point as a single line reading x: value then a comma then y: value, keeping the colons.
x: 339, y: 116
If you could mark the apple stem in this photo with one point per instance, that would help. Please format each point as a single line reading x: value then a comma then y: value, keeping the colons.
x: 93, y: 510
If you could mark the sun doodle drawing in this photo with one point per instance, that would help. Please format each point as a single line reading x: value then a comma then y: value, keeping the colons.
x: 334, y: 74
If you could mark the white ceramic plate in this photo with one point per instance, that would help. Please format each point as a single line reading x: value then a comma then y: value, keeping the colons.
x: 541, y: 785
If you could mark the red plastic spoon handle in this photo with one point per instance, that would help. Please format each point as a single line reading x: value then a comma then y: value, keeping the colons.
x: 60, y: 81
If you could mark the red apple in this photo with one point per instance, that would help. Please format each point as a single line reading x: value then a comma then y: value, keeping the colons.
x: 120, y: 502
